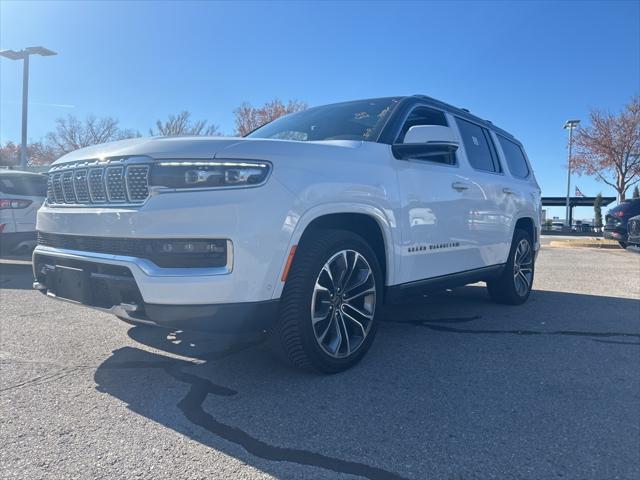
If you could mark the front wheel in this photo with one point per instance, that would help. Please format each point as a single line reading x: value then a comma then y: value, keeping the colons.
x: 328, y: 306
x: 513, y: 286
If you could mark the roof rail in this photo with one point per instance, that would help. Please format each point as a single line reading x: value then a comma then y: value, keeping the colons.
x: 466, y: 111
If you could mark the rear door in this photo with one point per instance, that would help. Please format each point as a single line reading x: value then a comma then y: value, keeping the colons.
x: 493, y: 203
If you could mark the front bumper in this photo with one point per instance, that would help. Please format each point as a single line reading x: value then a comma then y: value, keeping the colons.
x: 614, y: 235
x: 137, y: 290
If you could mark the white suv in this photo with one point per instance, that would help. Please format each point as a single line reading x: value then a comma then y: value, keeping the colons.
x: 301, y: 229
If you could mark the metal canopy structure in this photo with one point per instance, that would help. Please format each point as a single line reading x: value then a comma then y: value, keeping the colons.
x: 574, y: 202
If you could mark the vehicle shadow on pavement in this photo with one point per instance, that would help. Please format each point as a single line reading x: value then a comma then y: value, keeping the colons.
x: 454, y: 386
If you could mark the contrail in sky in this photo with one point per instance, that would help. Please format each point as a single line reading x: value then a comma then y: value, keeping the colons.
x: 43, y: 104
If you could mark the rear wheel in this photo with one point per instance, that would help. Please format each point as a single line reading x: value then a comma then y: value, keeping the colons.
x: 328, y: 306
x: 513, y: 286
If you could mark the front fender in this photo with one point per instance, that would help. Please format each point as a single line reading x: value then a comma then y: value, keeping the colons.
x: 384, y: 218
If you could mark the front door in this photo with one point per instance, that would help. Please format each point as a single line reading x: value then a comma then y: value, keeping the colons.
x: 437, y: 200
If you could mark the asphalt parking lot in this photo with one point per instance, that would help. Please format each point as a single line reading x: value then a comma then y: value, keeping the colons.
x: 454, y: 387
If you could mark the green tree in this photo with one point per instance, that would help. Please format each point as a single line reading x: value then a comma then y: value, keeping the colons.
x: 597, y: 210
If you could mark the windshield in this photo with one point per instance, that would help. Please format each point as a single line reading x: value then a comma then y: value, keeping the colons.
x: 359, y: 120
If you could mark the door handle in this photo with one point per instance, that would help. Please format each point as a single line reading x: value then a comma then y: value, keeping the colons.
x: 507, y: 190
x: 460, y: 186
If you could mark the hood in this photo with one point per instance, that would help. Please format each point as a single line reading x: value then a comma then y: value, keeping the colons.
x: 207, y: 147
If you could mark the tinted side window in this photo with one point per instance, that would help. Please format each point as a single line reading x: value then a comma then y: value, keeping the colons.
x: 422, y: 116
x: 29, y: 185
x: 515, y: 158
x: 479, y: 146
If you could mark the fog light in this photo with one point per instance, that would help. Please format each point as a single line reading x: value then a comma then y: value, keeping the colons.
x: 191, y: 253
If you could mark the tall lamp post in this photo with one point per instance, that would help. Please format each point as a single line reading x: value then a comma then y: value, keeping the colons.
x: 24, y: 56
x: 569, y: 125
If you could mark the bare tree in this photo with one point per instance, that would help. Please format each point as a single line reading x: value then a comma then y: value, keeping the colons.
x: 9, y: 154
x: 609, y: 148
x: 71, y: 133
x: 38, y: 153
x: 41, y: 153
x: 182, y: 124
x: 249, y: 118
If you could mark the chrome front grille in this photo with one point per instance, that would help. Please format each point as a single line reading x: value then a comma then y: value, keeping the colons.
x: 68, y: 190
x: 113, y: 182
x: 137, y: 181
x: 96, y: 185
x: 81, y: 185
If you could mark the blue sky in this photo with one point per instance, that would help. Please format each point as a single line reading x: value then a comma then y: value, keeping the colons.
x: 527, y: 66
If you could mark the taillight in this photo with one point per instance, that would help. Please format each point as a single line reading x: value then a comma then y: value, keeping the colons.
x: 618, y: 214
x: 6, y: 203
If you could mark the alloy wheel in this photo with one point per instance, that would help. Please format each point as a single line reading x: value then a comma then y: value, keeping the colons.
x: 343, y: 303
x: 523, y: 267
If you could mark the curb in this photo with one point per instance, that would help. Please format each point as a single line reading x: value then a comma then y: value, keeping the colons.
x: 571, y: 244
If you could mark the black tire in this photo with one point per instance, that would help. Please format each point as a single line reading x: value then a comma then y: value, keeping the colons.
x: 623, y: 244
x: 293, y: 337
x: 505, y: 289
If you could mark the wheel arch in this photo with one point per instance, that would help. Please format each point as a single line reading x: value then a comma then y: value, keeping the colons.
x: 365, y: 220
x: 528, y: 225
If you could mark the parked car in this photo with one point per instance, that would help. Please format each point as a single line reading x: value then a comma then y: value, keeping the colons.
x: 303, y: 229
x: 21, y: 194
x: 557, y: 227
x: 616, y: 220
x: 582, y: 227
x: 633, y: 234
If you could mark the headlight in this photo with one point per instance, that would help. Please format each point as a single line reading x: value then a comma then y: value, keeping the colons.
x: 208, y: 174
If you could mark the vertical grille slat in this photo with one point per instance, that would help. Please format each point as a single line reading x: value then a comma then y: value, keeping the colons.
x: 51, y: 197
x: 57, y: 188
x: 67, y: 187
x: 137, y: 182
x: 115, y: 184
x: 81, y: 185
x: 96, y: 185
x: 93, y: 182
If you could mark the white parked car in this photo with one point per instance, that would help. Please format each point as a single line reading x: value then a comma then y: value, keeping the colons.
x: 303, y: 229
x: 21, y: 194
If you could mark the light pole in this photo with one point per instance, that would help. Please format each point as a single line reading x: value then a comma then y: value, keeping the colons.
x: 24, y: 56
x: 569, y: 125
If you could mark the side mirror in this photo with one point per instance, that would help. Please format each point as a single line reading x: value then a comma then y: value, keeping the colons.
x: 433, y: 143
x: 430, y: 134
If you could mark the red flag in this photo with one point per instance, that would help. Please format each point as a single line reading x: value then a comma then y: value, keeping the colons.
x: 579, y: 193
